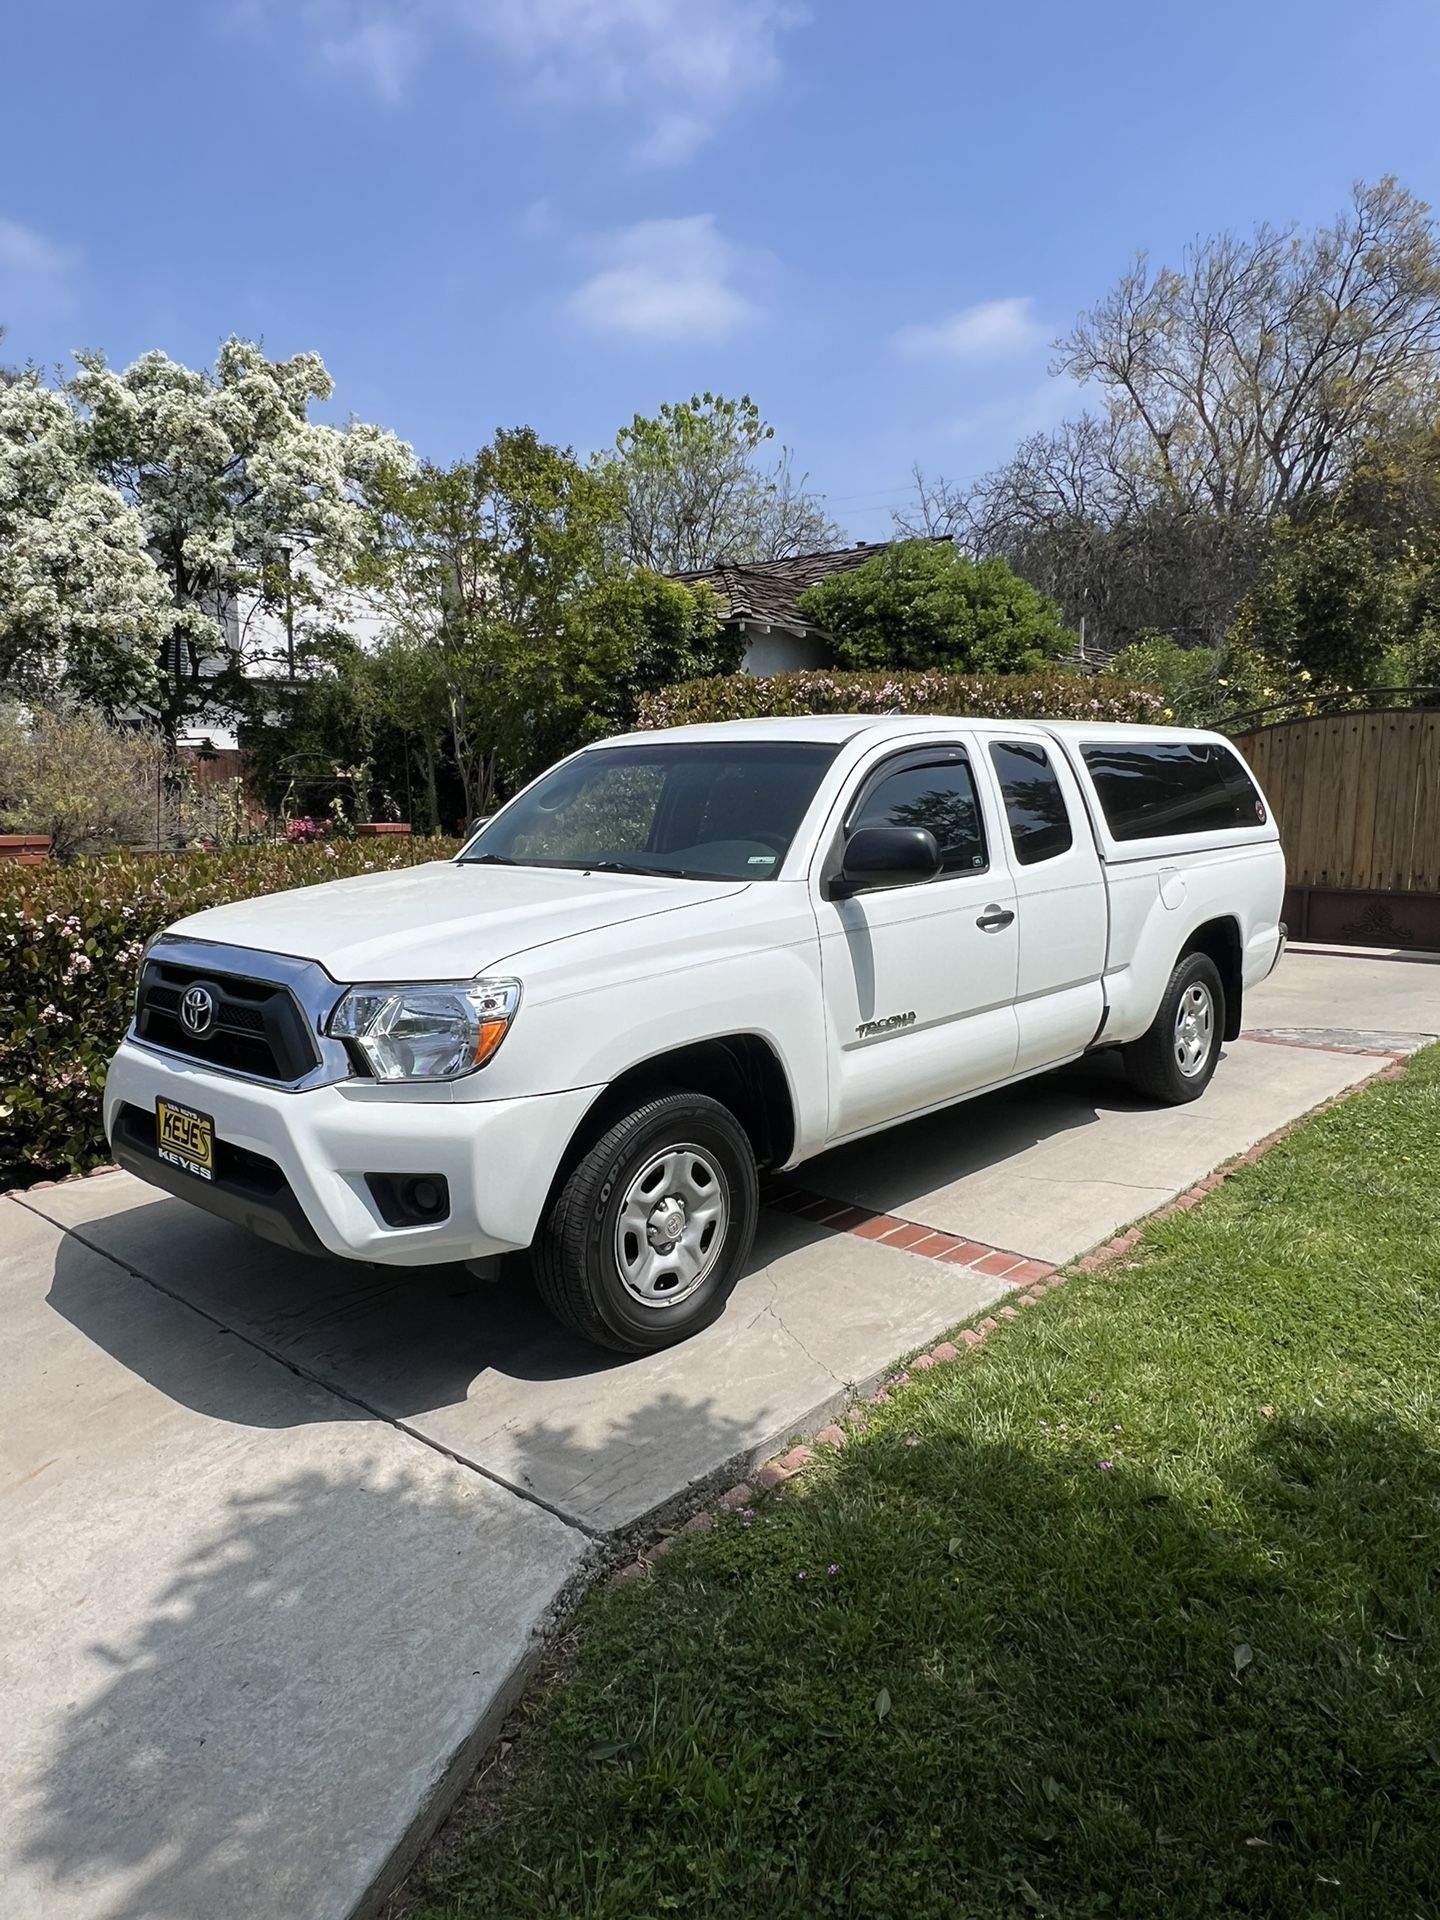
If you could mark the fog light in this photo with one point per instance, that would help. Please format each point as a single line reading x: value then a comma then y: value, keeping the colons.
x: 410, y: 1199
x: 425, y: 1197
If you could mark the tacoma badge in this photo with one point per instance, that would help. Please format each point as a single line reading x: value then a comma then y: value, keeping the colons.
x: 868, y: 1028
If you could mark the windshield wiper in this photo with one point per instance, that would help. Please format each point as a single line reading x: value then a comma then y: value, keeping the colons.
x: 631, y: 866
x: 489, y: 860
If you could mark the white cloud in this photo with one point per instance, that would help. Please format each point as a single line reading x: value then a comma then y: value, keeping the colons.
x: 27, y: 256
x: 698, y: 57
x: 1039, y: 409
x: 383, y: 53
x: 36, y: 275
x: 676, y: 68
x: 990, y: 330
x: 666, y: 280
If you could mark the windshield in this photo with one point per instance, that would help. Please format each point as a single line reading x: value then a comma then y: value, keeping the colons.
x: 701, y: 812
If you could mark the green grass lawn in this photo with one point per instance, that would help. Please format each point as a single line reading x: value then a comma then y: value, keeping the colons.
x: 1132, y: 1613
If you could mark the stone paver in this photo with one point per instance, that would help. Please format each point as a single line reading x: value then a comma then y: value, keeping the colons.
x: 245, y: 1631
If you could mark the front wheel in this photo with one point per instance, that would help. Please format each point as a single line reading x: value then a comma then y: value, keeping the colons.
x: 652, y: 1226
x: 1175, y: 1059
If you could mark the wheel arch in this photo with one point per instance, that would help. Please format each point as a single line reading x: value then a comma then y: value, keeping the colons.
x: 742, y: 1071
x: 1219, y: 939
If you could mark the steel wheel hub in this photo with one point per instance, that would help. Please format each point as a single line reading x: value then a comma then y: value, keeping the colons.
x: 1194, y: 1029
x: 672, y: 1226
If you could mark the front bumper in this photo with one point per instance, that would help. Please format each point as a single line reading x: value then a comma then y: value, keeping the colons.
x: 498, y: 1157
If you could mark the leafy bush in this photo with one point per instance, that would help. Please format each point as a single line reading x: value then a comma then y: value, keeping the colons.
x: 1206, y: 686
x: 1016, y: 696
x: 70, y: 940
x: 920, y: 604
x: 72, y: 775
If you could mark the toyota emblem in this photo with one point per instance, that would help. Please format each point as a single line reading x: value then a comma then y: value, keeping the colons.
x: 197, y: 1010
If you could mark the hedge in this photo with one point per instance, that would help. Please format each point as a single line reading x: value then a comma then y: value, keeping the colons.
x: 1004, y: 696
x: 70, y: 938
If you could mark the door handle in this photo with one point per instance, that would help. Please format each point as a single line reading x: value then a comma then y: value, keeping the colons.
x: 994, y: 918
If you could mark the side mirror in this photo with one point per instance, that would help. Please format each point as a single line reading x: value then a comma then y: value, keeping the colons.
x: 886, y: 857
x: 476, y: 824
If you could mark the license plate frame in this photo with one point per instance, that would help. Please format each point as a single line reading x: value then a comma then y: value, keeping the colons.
x: 185, y: 1138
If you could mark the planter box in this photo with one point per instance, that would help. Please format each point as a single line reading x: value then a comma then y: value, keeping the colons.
x: 368, y: 829
x: 25, y: 849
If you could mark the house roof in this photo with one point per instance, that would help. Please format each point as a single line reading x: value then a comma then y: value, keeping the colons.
x: 766, y: 591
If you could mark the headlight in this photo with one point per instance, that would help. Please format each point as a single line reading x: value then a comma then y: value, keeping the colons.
x: 427, y: 1032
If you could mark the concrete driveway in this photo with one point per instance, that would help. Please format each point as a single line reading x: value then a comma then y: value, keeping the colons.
x: 278, y: 1539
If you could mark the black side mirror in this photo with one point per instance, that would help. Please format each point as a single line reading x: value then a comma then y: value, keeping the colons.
x: 476, y: 824
x: 886, y: 857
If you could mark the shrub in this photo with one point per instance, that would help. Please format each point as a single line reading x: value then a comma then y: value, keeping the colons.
x: 70, y: 940
x: 72, y: 775
x: 920, y: 604
x: 1206, y: 686
x: 1016, y: 696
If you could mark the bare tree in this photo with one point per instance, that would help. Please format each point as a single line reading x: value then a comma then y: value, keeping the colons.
x: 1251, y: 377
x: 1242, y: 387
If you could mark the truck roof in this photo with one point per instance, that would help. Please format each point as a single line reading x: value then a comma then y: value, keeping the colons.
x: 840, y: 727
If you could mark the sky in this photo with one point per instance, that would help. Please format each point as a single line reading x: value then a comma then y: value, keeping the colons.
x: 874, y: 219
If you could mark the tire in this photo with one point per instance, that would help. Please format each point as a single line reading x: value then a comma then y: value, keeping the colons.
x: 1175, y: 1059
x: 601, y: 1262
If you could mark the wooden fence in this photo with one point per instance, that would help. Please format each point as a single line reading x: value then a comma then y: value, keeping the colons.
x: 1357, y: 796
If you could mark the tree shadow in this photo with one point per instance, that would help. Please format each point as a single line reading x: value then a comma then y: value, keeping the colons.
x: 315, y: 1654
x: 407, y: 1341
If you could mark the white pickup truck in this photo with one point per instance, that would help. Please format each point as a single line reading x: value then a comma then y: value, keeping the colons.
x: 680, y: 957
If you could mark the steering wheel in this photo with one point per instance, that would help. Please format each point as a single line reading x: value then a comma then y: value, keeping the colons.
x: 776, y: 841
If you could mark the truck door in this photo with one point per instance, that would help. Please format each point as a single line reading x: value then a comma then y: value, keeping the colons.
x: 1060, y: 901
x: 919, y: 980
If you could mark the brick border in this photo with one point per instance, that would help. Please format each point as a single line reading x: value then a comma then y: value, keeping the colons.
x: 908, y: 1236
x: 1329, y: 1046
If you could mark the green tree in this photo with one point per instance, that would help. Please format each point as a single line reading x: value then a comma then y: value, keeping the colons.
x: 696, y: 487
x: 71, y: 774
x: 921, y: 603
x: 1326, y: 605
x: 514, y: 613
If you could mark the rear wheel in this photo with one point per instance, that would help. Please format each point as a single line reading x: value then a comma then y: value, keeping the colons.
x: 652, y: 1226
x: 1176, y: 1058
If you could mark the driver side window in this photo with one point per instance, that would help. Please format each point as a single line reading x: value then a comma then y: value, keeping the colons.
x: 941, y: 797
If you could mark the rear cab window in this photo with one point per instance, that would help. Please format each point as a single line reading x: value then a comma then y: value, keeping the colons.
x: 1034, y: 800
x: 1151, y: 789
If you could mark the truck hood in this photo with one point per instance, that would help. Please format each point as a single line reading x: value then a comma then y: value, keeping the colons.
x: 442, y: 921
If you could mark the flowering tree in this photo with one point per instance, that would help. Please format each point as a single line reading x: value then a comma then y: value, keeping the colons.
x: 83, y: 609
x: 230, y: 483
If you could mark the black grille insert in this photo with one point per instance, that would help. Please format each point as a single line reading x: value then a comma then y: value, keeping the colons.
x: 257, y: 1027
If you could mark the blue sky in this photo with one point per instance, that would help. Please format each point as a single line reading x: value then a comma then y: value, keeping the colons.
x: 486, y: 212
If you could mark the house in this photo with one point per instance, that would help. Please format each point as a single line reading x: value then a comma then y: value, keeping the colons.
x: 759, y: 600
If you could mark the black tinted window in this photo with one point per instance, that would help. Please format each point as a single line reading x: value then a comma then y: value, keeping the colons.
x: 1187, y: 787
x: 1034, y: 803
x: 940, y: 797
